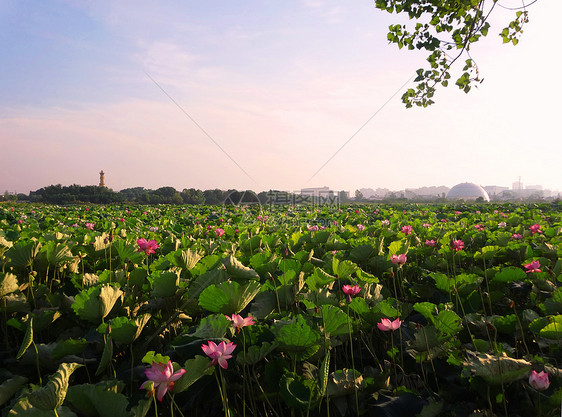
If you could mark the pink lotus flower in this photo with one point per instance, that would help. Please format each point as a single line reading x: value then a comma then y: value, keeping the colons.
x: 161, y: 377
x: 516, y: 236
x: 430, y: 243
x: 312, y: 228
x: 502, y: 225
x: 398, y: 259
x: 385, y: 222
x: 147, y: 246
x: 479, y: 227
x: 426, y: 225
x: 536, y: 228
x: 219, y: 354
x: 351, y: 290
x: 20, y: 221
x: 407, y: 230
x: 458, y: 245
x: 539, y: 381
x: 153, y: 228
x: 360, y: 227
x: 386, y: 325
x: 89, y: 226
x: 238, y: 322
x: 219, y: 232
x: 534, y: 266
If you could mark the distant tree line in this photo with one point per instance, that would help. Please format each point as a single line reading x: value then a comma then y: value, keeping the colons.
x: 76, y: 194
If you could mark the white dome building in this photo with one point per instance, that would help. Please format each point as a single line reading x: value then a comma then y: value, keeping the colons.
x: 467, y: 191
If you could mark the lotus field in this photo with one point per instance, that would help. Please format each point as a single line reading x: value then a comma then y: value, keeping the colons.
x: 359, y: 310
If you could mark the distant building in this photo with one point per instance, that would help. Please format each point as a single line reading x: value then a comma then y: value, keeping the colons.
x: 467, y: 191
x: 317, y: 191
x: 495, y: 191
x: 102, y: 178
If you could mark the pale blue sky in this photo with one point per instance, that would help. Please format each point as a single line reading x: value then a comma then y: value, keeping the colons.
x: 280, y: 86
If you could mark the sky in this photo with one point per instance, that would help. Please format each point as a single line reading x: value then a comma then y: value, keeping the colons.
x: 263, y: 95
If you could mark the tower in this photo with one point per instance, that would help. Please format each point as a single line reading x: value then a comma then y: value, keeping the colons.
x: 102, y: 179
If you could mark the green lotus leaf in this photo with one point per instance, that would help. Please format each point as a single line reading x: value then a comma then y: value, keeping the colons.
x: 125, y: 330
x: 57, y: 254
x: 448, y: 322
x: 294, y: 334
x: 442, y: 281
x: 23, y: 408
x: 212, y: 327
x: 228, y: 297
x: 213, y: 276
x: 52, y: 395
x: 237, y: 271
x: 510, y: 274
x: 255, y: 353
x: 27, y: 339
x: 68, y: 347
x: 10, y: 386
x: 264, y: 304
x: 365, y: 277
x: 141, y: 409
x: 397, y: 247
x: 260, y: 259
x: 343, y: 269
x: 387, y: 309
x: 298, y: 392
x: 426, y: 309
x: 127, y: 252
x: 23, y: 254
x: 359, y: 305
x: 319, y: 279
x: 251, y: 245
x: 106, y: 356
x: 553, y: 330
x: 87, y: 304
x: 165, y: 284
x: 150, y: 357
x: 324, y: 374
x: 98, y: 400
x: 425, y: 339
x: 288, y: 277
x: 196, y: 368
x: 334, y: 321
x: 362, y: 253
x: 506, y: 324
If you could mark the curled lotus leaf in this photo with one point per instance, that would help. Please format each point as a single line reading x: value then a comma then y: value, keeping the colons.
x: 108, y: 296
x: 344, y: 381
x: 52, y: 395
x: 8, y: 284
x: 497, y: 370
